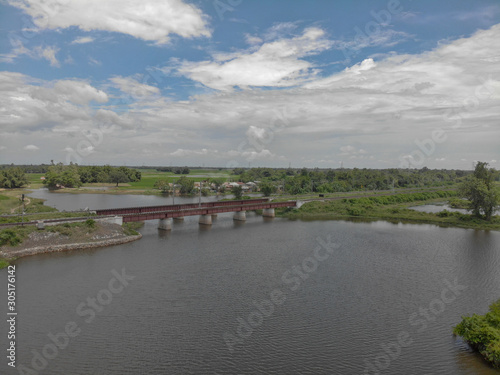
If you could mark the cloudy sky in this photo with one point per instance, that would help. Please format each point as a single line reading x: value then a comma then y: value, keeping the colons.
x: 375, y: 84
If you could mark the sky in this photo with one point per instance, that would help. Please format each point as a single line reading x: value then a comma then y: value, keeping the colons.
x: 251, y: 83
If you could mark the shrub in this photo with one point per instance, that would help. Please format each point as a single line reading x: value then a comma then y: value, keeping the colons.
x: 9, y: 237
x: 444, y: 213
x: 482, y: 333
x: 90, y: 223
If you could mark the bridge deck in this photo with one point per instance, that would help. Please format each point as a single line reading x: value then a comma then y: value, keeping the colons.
x: 176, y: 207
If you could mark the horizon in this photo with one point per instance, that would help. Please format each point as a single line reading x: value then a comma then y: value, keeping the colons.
x: 227, y: 84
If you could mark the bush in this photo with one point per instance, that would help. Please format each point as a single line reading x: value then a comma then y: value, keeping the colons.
x: 355, y: 211
x: 482, y: 332
x: 444, y: 213
x: 9, y: 237
x: 90, y: 223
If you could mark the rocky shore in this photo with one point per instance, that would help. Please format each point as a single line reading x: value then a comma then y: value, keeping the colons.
x: 39, y: 242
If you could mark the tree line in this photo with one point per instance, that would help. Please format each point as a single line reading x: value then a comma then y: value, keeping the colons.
x: 299, y: 181
x: 73, y: 175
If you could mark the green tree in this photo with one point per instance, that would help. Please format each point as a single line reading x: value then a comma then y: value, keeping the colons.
x: 186, y: 184
x: 162, y: 185
x: 267, y: 189
x: 480, y: 190
x: 217, y: 182
x: 237, y: 191
x: 62, y: 175
x: 12, y: 178
x: 118, y: 176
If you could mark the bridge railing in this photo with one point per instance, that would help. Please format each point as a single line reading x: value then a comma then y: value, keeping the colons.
x: 175, y: 207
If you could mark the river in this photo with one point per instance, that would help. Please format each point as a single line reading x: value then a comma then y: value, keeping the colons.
x: 268, y: 296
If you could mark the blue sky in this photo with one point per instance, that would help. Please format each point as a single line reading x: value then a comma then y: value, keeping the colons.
x: 376, y: 84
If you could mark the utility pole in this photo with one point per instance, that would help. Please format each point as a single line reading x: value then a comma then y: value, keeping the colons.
x: 199, y: 200
x: 173, y: 189
x: 22, y: 216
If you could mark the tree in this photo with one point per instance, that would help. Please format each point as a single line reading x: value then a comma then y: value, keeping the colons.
x: 186, y: 184
x: 62, y: 175
x: 217, y: 182
x: 162, y: 185
x: 12, y: 178
x: 237, y: 191
x: 480, y: 190
x: 117, y: 176
x: 267, y: 189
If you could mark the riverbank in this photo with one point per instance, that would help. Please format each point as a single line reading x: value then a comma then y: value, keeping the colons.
x: 24, y: 241
x: 482, y: 333
x: 393, y: 208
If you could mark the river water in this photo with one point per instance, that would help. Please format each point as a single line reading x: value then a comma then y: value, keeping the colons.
x: 268, y: 296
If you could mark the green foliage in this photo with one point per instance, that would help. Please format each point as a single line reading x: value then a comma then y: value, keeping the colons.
x: 9, y: 237
x: 459, y: 203
x: 482, y: 332
x: 481, y: 192
x: 12, y: 178
x: 4, y: 263
x: 267, y: 189
x: 62, y: 175
x: 106, y: 173
x: 186, y: 185
x: 217, y: 182
x: 90, y: 223
x: 162, y: 185
x: 130, y: 229
x: 237, y: 191
x: 117, y: 176
x: 183, y: 170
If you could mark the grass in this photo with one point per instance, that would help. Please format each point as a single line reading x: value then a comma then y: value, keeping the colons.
x: 10, y: 200
x: 5, y: 262
x: 130, y: 229
x: 393, y: 208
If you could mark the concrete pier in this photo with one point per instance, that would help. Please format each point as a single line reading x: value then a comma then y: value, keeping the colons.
x: 240, y: 216
x: 165, y: 224
x: 205, y: 219
x: 268, y: 212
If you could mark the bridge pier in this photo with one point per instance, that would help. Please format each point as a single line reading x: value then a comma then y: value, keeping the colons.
x: 165, y: 224
x: 214, y: 216
x: 205, y: 219
x: 180, y: 218
x: 240, y: 215
x: 268, y: 212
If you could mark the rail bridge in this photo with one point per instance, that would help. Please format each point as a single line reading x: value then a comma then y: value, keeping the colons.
x: 206, y: 210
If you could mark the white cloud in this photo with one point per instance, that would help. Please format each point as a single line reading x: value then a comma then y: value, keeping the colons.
x: 40, y: 52
x: 252, y: 39
x: 83, y: 40
x: 131, y: 86
x: 278, y: 64
x: 31, y: 148
x: 151, y: 20
x: 94, y: 62
x: 48, y: 53
x: 79, y: 92
x: 381, y: 38
x: 182, y: 153
x: 28, y: 103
